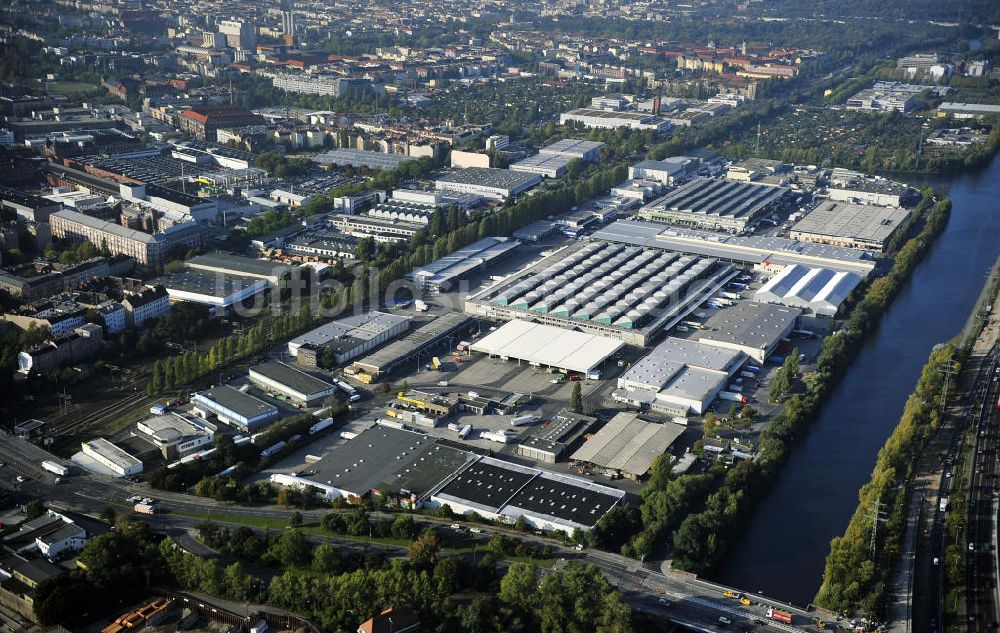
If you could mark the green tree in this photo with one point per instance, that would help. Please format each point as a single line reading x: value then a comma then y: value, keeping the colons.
x: 290, y: 549
x: 576, y: 398
x: 519, y: 585
x: 425, y: 550
x: 295, y: 520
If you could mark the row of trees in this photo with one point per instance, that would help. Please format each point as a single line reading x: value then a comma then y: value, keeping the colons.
x: 174, y: 371
x: 854, y: 580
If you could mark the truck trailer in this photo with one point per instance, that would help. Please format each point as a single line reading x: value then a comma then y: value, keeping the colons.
x: 780, y: 616
x: 733, y: 397
x: 54, y: 468
x: 144, y: 508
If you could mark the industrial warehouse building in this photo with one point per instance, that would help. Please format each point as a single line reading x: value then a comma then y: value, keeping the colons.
x: 498, y: 184
x: 715, y: 204
x: 503, y: 491
x: 416, y: 470
x: 574, y: 148
x: 627, y: 445
x: 548, y: 346
x: 234, y: 407
x: 551, y: 161
x: 213, y: 289
x: 547, y: 165
x: 227, y: 264
x: 284, y: 380
x: 410, y: 347
x: 613, y: 119
x: 361, y: 158
x: 755, y: 329
x: 111, y: 457
x: 550, y: 441
x: 764, y: 253
x: 386, y: 459
x: 440, y: 274
x: 817, y: 290
x: 623, y: 292
x: 678, y: 376
x: 850, y: 225
x: 349, y: 337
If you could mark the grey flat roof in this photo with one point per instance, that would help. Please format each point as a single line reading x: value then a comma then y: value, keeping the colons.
x: 858, y: 221
x: 112, y: 452
x: 236, y: 401
x: 378, y: 454
x: 662, y: 364
x: 562, y: 430
x: 489, y: 177
x: 628, y: 443
x: 571, y: 147
x: 357, y: 328
x: 753, y: 325
x: 290, y: 377
x: 623, y: 115
x: 208, y: 283
x: 240, y: 264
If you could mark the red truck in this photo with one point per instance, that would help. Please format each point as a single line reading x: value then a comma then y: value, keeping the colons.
x: 780, y: 616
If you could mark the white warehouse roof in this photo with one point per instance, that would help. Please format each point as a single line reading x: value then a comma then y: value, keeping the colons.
x: 548, y: 345
x: 818, y: 289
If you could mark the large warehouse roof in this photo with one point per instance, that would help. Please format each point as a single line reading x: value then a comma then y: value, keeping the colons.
x: 387, y: 358
x: 608, y: 288
x: 292, y: 378
x: 548, y: 345
x: 750, y: 325
x: 818, y: 289
x: 863, y: 223
x: 751, y: 250
x: 628, y: 444
x: 236, y: 401
x: 717, y: 198
x: 445, y: 270
x: 355, y: 328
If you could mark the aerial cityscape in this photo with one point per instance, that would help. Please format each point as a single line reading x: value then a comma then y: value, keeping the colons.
x: 612, y: 316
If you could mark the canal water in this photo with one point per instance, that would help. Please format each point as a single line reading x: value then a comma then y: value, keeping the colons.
x: 782, y: 549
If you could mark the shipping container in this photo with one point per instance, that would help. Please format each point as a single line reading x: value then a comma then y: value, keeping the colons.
x: 464, y: 433
x: 436, y: 363
x: 523, y: 419
x: 753, y: 369
x: 748, y: 374
x: 776, y: 359
x: 731, y: 295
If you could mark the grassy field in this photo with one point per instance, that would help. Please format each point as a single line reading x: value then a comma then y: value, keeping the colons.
x: 63, y: 88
